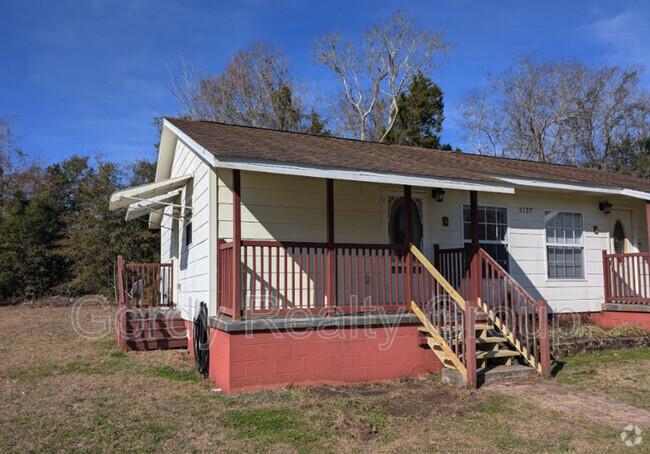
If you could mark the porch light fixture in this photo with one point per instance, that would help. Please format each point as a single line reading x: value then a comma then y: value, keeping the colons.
x: 605, y: 207
x: 438, y: 194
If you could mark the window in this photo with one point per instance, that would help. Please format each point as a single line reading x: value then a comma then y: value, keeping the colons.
x: 564, y: 245
x: 492, y: 232
x: 396, y: 227
x: 188, y: 234
x: 188, y: 227
x: 619, y: 238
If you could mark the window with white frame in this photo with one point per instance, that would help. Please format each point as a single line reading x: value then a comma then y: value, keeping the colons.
x: 492, y: 232
x: 564, y: 245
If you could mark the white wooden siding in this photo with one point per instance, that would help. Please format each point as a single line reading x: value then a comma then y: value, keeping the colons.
x: 292, y: 208
x: 193, y: 270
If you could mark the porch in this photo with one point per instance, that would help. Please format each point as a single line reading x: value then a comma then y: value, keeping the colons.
x: 264, y: 280
x: 626, y: 278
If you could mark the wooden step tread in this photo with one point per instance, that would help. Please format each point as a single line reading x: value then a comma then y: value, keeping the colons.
x: 497, y: 354
x: 491, y: 340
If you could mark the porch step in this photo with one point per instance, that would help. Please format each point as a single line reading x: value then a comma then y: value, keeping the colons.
x: 156, y: 343
x: 152, y: 330
x: 492, y: 374
x: 497, y: 354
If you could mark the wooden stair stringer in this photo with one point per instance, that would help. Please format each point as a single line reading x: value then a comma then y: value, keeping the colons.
x: 435, y: 336
x: 508, y: 334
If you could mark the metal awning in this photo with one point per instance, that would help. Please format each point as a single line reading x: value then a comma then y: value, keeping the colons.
x: 139, y: 209
x: 147, y: 192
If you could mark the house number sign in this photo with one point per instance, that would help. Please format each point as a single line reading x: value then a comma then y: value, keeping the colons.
x: 525, y: 210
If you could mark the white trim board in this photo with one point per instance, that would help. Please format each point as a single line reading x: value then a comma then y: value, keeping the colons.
x: 361, y: 175
x: 548, y: 184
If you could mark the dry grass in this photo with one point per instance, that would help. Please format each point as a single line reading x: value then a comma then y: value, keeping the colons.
x: 622, y: 374
x: 61, y: 392
x: 596, y: 332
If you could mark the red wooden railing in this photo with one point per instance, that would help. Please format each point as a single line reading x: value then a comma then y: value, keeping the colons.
x: 627, y: 278
x: 480, y: 279
x: 522, y: 319
x: 454, y: 265
x: 145, y: 284
x: 279, y: 277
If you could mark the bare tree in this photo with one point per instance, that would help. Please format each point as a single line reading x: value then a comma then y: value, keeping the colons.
x: 184, y: 82
x: 611, y: 109
x: 389, y: 54
x: 255, y: 89
x: 11, y: 156
x: 556, y: 110
x: 481, y: 123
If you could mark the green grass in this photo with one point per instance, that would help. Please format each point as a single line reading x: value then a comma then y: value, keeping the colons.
x: 494, y: 406
x: 174, y: 374
x: 273, y: 425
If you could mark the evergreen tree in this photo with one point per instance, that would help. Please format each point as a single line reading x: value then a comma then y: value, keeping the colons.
x: 317, y: 126
x: 420, y: 115
x: 30, y: 265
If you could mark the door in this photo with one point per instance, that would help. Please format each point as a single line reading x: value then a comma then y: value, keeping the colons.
x: 621, y: 241
x: 394, y: 225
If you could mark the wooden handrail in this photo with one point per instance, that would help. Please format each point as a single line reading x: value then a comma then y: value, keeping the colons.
x: 120, y: 280
x: 437, y: 276
x: 436, y: 335
x: 465, y: 333
x: 537, y: 355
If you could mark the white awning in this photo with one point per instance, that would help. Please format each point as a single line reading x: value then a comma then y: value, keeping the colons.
x: 129, y: 196
x: 139, y: 209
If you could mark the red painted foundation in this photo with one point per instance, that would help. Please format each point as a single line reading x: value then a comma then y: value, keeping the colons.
x: 243, y: 362
x: 609, y: 319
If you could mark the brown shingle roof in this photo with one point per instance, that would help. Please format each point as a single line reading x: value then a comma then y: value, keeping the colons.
x: 229, y: 141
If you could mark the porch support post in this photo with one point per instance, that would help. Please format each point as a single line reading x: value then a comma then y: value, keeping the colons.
x: 473, y: 209
x: 408, y: 238
x: 544, y: 344
x: 647, y: 223
x: 331, y: 253
x: 476, y: 281
x: 470, y: 345
x: 236, y: 244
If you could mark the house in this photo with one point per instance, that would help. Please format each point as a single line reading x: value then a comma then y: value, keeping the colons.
x: 326, y: 260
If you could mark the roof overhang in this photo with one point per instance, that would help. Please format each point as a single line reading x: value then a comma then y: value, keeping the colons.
x: 151, y: 205
x: 149, y: 198
x: 566, y: 186
x: 363, y: 175
x: 128, y: 196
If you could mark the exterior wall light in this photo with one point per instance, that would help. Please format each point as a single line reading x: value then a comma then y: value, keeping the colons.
x: 605, y: 207
x: 438, y: 194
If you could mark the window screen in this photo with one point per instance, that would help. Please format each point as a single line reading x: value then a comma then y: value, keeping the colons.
x: 564, y: 245
x: 492, y: 233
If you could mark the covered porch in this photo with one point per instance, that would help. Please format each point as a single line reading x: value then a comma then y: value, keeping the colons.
x: 262, y: 280
x: 269, y: 278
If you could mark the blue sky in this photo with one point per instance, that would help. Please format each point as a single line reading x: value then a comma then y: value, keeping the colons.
x: 87, y: 77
